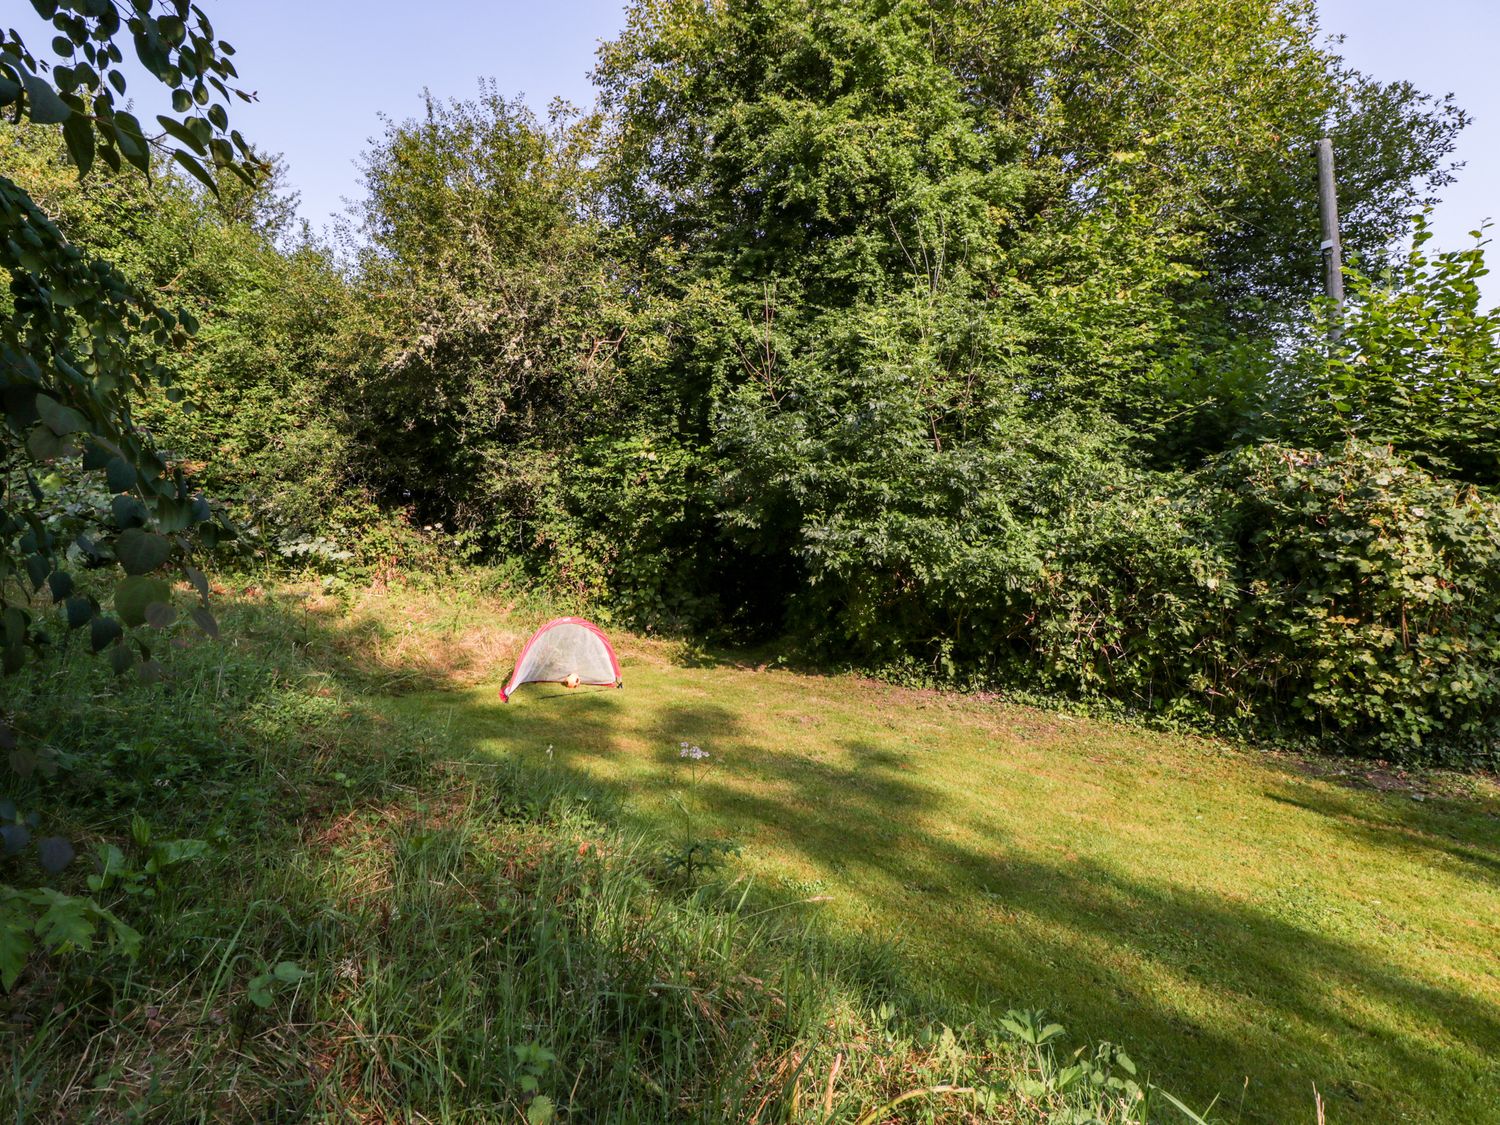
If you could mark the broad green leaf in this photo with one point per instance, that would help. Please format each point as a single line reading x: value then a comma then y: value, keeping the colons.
x: 95, y: 456
x: 44, y: 445
x: 180, y: 132
x: 160, y: 614
x: 67, y: 923
x: 44, y: 107
x: 37, y: 569
x: 79, y: 611
x: 60, y: 419
x: 135, y: 595
x: 141, y: 552
x: 53, y: 853
x: 259, y: 990
x: 14, y: 838
x: 174, y: 515
x: 122, y: 658
x: 103, y: 631
x: 132, y: 141
x: 198, y: 579
x: 15, y: 938
x: 195, y: 169
x: 120, y: 475
x: 127, y: 511
x: 205, y: 620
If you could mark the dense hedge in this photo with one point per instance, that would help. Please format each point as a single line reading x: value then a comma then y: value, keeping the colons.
x: 1369, y: 596
x: 1349, y: 594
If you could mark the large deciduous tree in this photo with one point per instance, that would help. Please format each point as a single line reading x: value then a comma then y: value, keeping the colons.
x: 482, y: 271
x: 901, y: 236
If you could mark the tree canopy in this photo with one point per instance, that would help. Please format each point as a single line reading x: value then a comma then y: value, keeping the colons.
x: 79, y: 341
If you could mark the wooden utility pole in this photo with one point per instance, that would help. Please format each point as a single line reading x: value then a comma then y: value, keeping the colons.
x: 1333, y: 260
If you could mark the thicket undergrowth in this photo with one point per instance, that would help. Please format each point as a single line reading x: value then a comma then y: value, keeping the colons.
x: 915, y: 333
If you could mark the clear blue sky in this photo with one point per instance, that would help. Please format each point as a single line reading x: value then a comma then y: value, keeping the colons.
x: 1443, y: 46
x: 320, y: 108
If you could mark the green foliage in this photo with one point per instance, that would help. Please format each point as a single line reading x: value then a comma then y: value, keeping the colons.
x: 502, y: 947
x: 78, y: 340
x: 81, y: 483
x: 262, y: 989
x: 1203, y: 116
x: 142, y: 875
x: 896, y: 324
x: 489, y: 350
x: 70, y: 378
x: 174, y: 42
x: 1417, y: 365
x: 56, y: 923
x: 963, y: 340
x: 1348, y: 594
x: 42, y: 917
x: 627, y: 526
x: 1372, y: 596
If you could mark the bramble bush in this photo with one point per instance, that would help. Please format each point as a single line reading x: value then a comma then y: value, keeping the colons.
x: 1349, y: 595
x: 1369, y: 597
x: 1347, y: 592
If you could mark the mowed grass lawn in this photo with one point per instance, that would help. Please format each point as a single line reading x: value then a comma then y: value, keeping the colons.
x: 1250, y: 926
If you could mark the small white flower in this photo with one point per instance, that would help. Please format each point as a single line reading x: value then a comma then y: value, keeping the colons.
x: 694, y: 753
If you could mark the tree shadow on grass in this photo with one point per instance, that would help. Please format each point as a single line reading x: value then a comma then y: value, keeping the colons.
x: 1291, y: 1003
x: 426, y: 919
x: 1429, y: 830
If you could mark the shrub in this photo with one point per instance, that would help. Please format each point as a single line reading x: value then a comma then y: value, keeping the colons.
x: 1348, y: 594
x: 1370, y: 596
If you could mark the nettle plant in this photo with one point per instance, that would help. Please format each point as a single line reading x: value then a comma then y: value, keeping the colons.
x: 82, y: 486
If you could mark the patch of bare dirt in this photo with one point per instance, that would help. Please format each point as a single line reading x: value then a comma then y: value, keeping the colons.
x: 1385, y: 777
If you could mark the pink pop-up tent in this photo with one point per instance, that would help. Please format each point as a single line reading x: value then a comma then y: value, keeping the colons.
x: 568, y: 650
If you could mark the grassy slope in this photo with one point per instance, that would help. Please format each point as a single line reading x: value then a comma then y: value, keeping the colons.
x: 1249, y: 928
x: 456, y: 935
x: 454, y: 891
